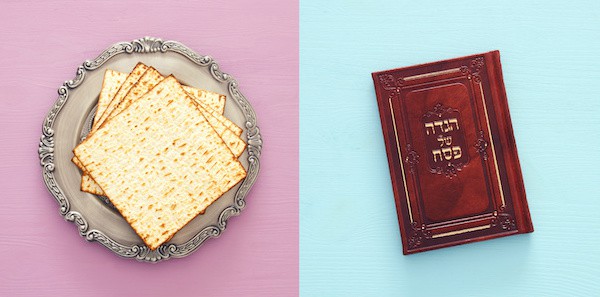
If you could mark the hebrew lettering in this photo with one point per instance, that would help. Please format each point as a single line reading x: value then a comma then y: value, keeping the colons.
x: 445, y: 126
x: 429, y: 125
x: 456, y: 152
x: 437, y: 153
x: 455, y: 122
x: 439, y: 124
x: 447, y: 153
x: 444, y: 139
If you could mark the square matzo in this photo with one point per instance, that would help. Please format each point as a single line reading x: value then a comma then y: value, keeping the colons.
x: 160, y: 162
x: 147, y: 81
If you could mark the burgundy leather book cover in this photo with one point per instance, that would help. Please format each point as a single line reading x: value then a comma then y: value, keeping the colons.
x: 451, y: 151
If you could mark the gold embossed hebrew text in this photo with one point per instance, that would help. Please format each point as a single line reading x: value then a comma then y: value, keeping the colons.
x: 447, y: 151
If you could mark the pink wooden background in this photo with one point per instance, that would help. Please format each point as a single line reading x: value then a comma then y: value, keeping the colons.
x: 41, y: 45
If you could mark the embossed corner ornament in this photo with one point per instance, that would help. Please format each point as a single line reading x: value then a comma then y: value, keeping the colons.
x: 390, y: 83
x: 472, y: 71
x: 503, y: 220
x: 46, y: 151
x: 418, y: 235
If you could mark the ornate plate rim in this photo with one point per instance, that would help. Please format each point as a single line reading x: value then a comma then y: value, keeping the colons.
x: 141, y: 252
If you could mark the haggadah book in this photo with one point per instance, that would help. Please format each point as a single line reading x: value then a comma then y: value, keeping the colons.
x: 451, y: 151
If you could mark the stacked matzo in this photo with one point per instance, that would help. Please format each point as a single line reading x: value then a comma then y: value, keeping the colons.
x: 161, y: 152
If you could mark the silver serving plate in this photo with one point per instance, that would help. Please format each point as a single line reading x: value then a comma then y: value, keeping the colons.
x: 69, y: 121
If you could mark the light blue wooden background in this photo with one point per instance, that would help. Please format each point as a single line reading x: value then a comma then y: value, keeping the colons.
x: 349, y: 239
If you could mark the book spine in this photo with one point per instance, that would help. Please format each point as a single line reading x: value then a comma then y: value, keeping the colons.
x: 512, y: 165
